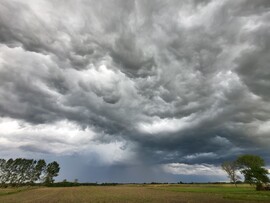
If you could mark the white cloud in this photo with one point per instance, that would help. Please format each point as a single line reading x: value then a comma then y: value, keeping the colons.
x: 60, y: 138
x: 200, y: 156
x: 193, y: 169
x: 165, y: 125
x: 221, y: 141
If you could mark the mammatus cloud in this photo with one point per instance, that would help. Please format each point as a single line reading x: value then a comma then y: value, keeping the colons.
x: 135, y: 82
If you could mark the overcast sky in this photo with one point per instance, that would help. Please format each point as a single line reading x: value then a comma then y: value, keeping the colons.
x: 134, y: 90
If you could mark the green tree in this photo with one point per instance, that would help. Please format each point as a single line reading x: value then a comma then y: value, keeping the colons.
x: 3, y: 172
x: 230, y: 167
x: 25, y: 170
x: 52, y: 171
x: 38, y: 170
x: 251, y: 166
x: 10, y: 172
x: 16, y: 172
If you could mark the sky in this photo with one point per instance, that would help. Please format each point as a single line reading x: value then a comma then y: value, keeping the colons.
x: 133, y: 90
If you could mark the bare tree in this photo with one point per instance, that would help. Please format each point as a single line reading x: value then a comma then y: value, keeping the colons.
x: 230, y: 167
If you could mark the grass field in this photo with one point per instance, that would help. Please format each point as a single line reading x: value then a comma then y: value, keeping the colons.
x: 137, y: 193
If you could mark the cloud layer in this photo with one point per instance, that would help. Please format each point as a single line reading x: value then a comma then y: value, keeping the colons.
x: 128, y: 82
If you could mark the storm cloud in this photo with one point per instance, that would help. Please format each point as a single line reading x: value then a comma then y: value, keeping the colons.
x: 160, y: 86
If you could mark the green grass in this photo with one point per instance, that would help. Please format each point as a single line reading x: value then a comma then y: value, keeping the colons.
x: 10, y: 191
x: 242, y: 192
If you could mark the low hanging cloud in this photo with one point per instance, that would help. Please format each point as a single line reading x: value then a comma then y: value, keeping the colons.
x: 150, y: 81
x: 194, y: 169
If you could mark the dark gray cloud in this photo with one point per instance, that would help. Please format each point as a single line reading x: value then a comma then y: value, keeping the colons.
x: 133, y: 83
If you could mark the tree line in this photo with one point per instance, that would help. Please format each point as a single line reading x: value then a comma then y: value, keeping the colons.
x: 251, y: 167
x: 20, y: 171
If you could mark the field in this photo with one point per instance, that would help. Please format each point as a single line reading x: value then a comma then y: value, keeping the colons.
x: 136, y: 193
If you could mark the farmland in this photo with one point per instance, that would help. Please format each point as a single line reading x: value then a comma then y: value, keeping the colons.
x: 136, y: 193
